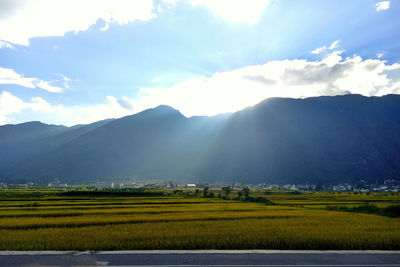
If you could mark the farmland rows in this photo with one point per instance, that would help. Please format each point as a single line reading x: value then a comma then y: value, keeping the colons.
x: 107, y: 223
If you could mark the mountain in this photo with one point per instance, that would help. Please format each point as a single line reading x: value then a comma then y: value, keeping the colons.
x: 280, y: 140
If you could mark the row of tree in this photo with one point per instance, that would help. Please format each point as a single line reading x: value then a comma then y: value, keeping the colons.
x: 227, y: 191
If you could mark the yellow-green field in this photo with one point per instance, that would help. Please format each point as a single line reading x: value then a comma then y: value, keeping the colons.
x: 47, y: 221
x: 323, y: 199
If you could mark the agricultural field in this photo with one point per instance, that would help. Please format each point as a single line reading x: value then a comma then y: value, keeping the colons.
x: 50, y: 220
x: 318, y: 200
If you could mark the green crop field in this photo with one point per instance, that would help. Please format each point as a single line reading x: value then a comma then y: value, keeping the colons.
x: 48, y: 220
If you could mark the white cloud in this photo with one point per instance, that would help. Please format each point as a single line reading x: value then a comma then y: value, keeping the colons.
x: 9, y: 104
x: 379, y: 55
x: 334, y: 44
x: 164, y: 5
x: 235, y: 11
x: 106, y: 27
x: 4, y: 44
x: 9, y: 76
x: 383, y: 5
x: 66, y: 81
x: 39, y: 109
x: 22, y: 20
x: 237, y: 89
x: 227, y: 91
x: 46, y: 86
x: 324, y: 49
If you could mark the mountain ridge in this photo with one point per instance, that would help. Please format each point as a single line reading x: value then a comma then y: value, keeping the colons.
x: 318, y: 139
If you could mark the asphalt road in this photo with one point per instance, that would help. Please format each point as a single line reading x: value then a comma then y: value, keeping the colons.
x: 202, y: 258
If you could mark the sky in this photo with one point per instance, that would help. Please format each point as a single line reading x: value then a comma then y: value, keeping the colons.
x: 75, y: 62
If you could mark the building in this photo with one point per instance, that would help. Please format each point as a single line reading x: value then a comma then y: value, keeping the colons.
x: 17, y: 186
x: 56, y: 183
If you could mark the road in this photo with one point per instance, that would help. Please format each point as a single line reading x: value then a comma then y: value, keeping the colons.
x: 202, y: 258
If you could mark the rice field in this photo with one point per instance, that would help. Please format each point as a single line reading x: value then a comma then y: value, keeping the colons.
x: 49, y: 221
x: 322, y: 199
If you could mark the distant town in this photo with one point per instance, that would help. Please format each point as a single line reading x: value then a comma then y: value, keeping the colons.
x: 389, y: 185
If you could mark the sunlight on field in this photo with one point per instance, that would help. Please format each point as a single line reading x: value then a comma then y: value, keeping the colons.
x: 112, y: 223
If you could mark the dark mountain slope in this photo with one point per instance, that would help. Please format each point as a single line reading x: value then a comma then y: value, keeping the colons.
x: 321, y: 139
x: 142, y: 143
x: 23, y: 143
x: 316, y: 139
x: 20, y: 142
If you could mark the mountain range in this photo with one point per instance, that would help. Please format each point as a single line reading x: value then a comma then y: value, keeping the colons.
x: 280, y: 140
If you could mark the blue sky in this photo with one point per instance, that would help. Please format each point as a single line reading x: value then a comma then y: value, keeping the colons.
x: 70, y: 62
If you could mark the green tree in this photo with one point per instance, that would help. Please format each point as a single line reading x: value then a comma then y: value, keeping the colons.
x: 205, y: 191
x: 227, y: 190
x: 246, y: 192
x: 240, y: 193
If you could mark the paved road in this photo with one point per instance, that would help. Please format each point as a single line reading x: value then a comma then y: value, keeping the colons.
x: 202, y: 258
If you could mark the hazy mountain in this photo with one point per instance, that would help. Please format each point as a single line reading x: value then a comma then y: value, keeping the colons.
x: 321, y: 139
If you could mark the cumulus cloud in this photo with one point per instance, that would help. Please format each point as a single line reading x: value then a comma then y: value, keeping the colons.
x: 40, y: 109
x: 9, y: 104
x: 324, y: 49
x: 383, y: 5
x: 9, y: 76
x: 228, y: 91
x: 260, y: 79
x: 21, y: 20
x: 235, y: 11
x: 126, y: 103
x: 299, y: 78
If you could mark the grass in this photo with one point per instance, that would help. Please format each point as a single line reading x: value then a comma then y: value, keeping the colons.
x: 54, y: 221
